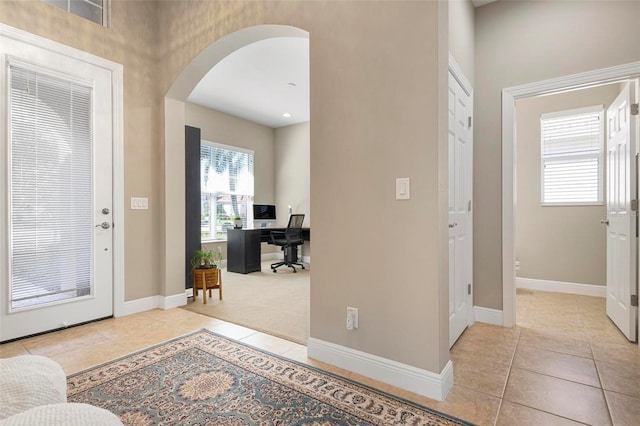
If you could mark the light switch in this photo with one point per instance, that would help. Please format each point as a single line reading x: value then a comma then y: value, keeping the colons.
x: 139, y: 203
x: 403, y: 189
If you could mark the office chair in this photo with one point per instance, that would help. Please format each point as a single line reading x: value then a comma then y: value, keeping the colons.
x: 289, y: 240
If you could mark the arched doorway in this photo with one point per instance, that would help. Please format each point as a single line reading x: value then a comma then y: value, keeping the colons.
x: 175, y: 119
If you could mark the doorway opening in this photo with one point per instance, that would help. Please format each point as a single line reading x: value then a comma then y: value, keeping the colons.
x: 219, y: 124
x: 601, y: 77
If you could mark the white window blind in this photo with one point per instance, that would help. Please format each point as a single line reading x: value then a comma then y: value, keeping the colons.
x: 226, y: 187
x: 93, y: 10
x: 50, y: 188
x: 572, y: 147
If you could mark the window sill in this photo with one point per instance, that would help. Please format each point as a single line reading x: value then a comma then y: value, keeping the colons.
x: 222, y: 240
x: 571, y: 204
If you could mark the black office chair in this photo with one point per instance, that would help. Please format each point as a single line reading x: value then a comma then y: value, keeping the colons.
x: 289, y: 240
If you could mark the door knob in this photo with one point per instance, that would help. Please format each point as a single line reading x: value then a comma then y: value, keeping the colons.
x: 452, y: 225
x: 605, y: 222
x: 104, y: 225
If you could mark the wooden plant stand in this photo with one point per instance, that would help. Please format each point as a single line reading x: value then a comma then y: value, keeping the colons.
x: 206, y: 279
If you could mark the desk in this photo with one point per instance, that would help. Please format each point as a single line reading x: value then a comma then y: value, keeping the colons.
x: 243, y: 247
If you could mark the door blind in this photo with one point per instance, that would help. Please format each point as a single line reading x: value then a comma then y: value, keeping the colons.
x: 572, y: 157
x: 51, y: 140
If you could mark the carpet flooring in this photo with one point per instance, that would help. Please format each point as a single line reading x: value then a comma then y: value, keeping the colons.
x: 276, y: 304
x: 206, y: 379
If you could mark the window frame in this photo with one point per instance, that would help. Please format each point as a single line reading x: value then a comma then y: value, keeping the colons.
x: 105, y: 8
x: 248, y: 218
x: 599, y: 109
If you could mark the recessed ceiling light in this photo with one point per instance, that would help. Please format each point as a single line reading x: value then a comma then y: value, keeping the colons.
x: 286, y: 115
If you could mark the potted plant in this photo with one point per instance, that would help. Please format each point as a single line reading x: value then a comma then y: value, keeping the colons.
x: 205, y: 259
x: 205, y: 272
x: 237, y: 222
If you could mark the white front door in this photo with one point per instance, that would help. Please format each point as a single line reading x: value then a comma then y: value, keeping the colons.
x: 460, y: 184
x: 57, y: 210
x: 622, y: 219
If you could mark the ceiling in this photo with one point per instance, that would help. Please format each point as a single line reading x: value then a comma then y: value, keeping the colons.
x: 260, y: 82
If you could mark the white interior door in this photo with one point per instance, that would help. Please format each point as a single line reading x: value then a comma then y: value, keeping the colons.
x: 56, y: 230
x: 622, y: 219
x: 460, y: 184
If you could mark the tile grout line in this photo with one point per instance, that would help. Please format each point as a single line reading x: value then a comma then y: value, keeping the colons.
x: 506, y: 382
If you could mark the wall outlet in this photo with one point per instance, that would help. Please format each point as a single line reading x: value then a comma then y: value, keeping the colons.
x: 352, y: 318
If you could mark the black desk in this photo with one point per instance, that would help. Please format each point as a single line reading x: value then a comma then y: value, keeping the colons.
x: 265, y: 234
x: 243, y: 247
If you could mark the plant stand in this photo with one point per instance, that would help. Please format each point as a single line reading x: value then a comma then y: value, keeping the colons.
x: 206, y: 279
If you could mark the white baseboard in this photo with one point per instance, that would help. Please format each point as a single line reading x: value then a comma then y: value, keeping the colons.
x: 154, y: 302
x: 488, y: 315
x: 417, y: 380
x: 562, y: 287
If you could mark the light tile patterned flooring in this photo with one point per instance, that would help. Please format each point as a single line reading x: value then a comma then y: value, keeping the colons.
x: 563, y: 364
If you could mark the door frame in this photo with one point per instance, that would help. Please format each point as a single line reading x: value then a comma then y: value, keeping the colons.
x: 117, y: 85
x: 509, y: 96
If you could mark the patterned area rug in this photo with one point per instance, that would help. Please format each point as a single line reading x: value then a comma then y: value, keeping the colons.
x: 207, y: 379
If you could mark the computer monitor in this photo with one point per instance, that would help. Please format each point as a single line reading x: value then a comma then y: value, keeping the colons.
x: 264, y: 213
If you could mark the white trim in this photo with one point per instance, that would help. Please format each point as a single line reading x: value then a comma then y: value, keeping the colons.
x: 228, y: 148
x: 118, y: 192
x: 509, y: 96
x: 154, y: 302
x: 488, y: 315
x: 456, y: 70
x: 423, y: 382
x: 561, y: 287
x: 45, y: 43
x: 117, y: 81
x: 170, y: 302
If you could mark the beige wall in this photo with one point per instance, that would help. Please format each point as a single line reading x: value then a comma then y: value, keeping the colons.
x: 524, y: 42
x: 226, y: 129
x: 378, y: 108
x: 130, y: 41
x: 461, y: 35
x: 292, y: 171
x: 292, y: 164
x: 559, y: 243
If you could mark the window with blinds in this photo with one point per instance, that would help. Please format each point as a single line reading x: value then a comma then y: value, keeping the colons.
x: 50, y: 205
x: 226, y: 188
x: 93, y: 10
x: 572, y: 156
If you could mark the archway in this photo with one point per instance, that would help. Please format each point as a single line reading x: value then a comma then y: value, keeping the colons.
x: 174, y: 125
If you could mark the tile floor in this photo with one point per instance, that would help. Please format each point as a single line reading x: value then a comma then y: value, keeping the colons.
x: 564, y: 363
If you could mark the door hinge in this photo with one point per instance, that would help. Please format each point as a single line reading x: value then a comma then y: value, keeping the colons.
x: 469, y: 206
x: 634, y: 300
x: 634, y: 205
x: 634, y: 109
x: 470, y: 117
x: 469, y: 288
